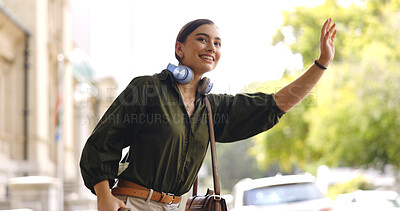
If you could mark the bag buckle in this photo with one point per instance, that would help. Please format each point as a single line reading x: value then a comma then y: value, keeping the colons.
x: 217, y: 197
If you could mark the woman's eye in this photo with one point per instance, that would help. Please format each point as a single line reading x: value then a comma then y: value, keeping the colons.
x: 218, y: 44
x: 202, y: 39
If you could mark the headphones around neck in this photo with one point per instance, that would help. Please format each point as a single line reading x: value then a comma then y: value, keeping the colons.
x: 184, y: 75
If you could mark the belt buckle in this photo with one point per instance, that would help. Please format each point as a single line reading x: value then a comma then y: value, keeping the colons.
x: 173, y: 198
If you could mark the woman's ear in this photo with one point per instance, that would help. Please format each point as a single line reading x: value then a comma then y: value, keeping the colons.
x: 179, y: 49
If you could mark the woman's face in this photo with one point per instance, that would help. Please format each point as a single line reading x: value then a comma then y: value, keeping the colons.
x: 201, y: 50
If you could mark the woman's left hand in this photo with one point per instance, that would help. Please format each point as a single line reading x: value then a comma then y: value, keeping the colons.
x: 327, y: 43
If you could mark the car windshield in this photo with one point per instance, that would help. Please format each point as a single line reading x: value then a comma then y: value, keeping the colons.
x: 282, y: 194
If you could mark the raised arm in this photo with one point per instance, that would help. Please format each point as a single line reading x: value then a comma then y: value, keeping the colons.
x: 287, y: 97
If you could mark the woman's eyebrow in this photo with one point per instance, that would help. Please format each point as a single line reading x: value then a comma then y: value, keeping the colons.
x: 204, y: 34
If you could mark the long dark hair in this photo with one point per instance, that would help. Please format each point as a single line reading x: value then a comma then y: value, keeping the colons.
x: 189, y: 28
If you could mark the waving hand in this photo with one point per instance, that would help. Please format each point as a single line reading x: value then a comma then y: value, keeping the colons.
x: 327, y: 43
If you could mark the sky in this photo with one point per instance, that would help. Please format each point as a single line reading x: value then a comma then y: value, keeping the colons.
x: 129, y: 38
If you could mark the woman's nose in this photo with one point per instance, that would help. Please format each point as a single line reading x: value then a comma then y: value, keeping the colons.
x: 211, y: 47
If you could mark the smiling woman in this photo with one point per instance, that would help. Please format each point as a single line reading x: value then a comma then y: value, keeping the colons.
x: 165, y: 156
x: 188, y: 29
x: 203, y: 42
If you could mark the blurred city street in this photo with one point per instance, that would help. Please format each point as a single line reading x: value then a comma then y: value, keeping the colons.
x: 63, y: 62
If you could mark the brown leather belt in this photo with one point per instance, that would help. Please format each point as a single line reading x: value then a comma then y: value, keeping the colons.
x: 129, y: 188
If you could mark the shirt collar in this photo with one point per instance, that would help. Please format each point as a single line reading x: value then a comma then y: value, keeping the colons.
x: 165, y: 75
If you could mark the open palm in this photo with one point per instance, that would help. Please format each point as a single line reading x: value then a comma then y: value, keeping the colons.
x: 327, y: 42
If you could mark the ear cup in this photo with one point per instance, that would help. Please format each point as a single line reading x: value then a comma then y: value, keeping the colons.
x: 205, y: 86
x: 182, y: 74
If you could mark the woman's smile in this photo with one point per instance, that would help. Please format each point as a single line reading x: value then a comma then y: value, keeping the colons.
x: 208, y: 58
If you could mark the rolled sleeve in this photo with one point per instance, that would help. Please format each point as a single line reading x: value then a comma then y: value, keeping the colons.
x: 115, y: 131
x: 243, y: 115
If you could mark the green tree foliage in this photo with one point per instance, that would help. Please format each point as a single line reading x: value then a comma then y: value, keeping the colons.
x: 279, y: 143
x: 358, y: 183
x: 352, y: 118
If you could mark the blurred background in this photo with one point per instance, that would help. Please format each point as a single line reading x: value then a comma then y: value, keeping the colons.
x: 63, y: 62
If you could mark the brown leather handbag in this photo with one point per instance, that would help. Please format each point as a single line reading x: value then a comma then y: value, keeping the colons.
x: 210, y: 201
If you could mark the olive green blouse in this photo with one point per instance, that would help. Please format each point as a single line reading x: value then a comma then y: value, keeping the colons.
x: 167, y: 147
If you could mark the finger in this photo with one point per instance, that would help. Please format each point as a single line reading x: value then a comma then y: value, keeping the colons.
x: 332, y: 27
x: 324, y: 28
x: 325, y: 38
x: 333, y: 35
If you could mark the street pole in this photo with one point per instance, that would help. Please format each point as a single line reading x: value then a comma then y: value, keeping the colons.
x: 60, y: 143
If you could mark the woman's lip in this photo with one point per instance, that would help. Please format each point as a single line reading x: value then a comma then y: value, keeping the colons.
x: 208, y: 58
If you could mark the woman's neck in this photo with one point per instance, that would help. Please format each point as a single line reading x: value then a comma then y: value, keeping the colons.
x: 188, y: 94
x: 188, y: 91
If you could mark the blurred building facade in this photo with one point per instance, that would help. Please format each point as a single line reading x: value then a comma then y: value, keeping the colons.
x: 13, y: 41
x: 49, y: 103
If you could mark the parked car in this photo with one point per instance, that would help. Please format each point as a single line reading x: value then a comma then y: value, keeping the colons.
x: 368, y: 200
x: 283, y: 193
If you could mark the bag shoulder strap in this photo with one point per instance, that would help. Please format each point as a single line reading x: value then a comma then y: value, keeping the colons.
x: 217, y: 187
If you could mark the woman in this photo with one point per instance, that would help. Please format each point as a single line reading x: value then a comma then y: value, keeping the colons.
x: 165, y: 124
